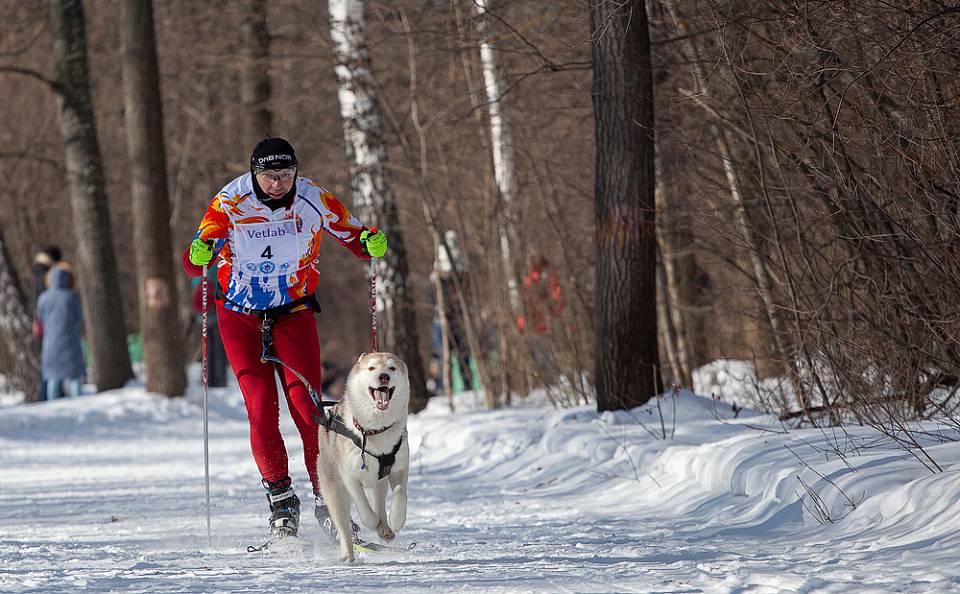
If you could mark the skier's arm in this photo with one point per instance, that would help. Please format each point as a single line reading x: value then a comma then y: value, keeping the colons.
x: 343, y: 226
x: 213, y: 227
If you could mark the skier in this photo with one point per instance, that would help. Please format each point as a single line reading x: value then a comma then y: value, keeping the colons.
x: 266, y: 226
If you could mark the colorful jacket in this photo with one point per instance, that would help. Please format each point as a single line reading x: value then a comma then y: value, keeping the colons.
x: 262, y: 279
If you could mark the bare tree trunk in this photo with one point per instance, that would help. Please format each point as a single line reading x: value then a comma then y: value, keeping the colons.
x: 157, y: 288
x: 372, y: 197
x: 16, y: 332
x: 254, y: 78
x: 96, y: 263
x: 668, y: 332
x: 502, y: 145
x: 626, y: 367
x: 479, y: 316
x: 503, y: 173
x: 675, y: 326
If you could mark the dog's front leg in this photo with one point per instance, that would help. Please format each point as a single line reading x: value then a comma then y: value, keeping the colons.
x: 380, y: 500
x: 367, y: 516
x: 337, y: 497
x: 398, y: 503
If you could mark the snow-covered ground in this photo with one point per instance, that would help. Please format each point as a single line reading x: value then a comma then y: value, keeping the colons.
x: 105, y: 493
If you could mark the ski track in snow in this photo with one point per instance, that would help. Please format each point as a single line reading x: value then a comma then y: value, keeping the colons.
x: 105, y: 494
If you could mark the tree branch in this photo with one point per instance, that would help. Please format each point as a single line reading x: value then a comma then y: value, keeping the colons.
x: 51, y: 84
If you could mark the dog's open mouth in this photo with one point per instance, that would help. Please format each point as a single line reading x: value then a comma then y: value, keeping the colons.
x: 381, y: 396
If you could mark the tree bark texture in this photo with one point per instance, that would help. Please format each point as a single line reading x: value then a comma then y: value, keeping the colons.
x: 157, y: 288
x: 254, y: 79
x: 372, y: 198
x: 16, y: 333
x: 95, y: 258
x: 626, y: 364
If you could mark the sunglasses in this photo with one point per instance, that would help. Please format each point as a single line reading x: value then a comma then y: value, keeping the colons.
x: 278, y: 175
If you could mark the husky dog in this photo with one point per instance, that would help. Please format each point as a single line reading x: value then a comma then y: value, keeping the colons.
x: 364, y: 446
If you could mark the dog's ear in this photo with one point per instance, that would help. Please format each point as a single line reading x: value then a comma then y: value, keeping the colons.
x: 362, y: 355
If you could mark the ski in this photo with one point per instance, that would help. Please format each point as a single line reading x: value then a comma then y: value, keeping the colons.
x: 260, y: 548
x: 373, y: 547
x: 286, y: 543
x: 358, y: 547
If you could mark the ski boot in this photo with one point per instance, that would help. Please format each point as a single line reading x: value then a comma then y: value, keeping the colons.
x: 284, y: 507
x: 326, y: 522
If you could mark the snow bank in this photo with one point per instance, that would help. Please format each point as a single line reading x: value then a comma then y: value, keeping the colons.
x: 105, y: 493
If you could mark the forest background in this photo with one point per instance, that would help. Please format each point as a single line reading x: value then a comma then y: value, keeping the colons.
x: 807, y: 177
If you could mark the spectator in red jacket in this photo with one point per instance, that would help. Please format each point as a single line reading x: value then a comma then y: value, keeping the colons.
x: 542, y: 295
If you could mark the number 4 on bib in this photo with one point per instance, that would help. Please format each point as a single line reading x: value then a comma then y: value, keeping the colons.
x: 267, y: 253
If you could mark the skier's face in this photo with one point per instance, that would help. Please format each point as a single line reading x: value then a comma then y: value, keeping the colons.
x: 277, y: 182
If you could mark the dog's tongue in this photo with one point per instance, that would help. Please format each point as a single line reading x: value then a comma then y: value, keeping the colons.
x: 381, y: 398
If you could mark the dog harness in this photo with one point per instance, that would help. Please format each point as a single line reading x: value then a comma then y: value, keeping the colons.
x: 334, y: 423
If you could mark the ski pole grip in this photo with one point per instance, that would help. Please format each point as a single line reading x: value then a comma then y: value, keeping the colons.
x: 374, y: 230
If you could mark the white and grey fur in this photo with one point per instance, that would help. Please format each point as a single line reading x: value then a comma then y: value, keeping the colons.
x: 339, y: 463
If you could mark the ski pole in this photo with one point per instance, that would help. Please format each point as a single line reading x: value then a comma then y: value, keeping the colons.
x: 203, y: 379
x: 373, y: 298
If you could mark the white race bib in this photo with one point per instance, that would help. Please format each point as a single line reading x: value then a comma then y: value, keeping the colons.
x: 267, y: 249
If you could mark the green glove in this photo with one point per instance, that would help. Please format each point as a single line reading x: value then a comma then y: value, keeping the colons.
x: 201, y: 252
x: 374, y: 241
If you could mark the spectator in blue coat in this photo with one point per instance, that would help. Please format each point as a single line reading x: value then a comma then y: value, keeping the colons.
x: 61, y: 321
x: 45, y: 259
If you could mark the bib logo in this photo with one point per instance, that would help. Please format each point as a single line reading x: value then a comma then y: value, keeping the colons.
x: 267, y: 267
x: 251, y: 267
x: 267, y: 233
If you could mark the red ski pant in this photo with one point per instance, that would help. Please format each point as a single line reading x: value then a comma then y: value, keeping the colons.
x: 296, y: 343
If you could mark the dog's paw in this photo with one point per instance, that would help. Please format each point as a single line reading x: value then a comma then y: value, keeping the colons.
x: 385, y: 532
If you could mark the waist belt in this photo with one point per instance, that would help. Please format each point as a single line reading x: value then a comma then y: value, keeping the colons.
x: 273, y: 312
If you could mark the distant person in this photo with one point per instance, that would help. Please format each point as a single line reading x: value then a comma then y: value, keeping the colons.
x: 42, y: 262
x: 543, y: 304
x: 448, y: 268
x: 61, y: 324
x: 542, y: 295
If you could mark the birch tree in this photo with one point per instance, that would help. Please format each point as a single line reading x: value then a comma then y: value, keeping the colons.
x: 502, y: 147
x: 626, y: 365
x: 97, y: 265
x: 372, y: 198
x: 156, y: 285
